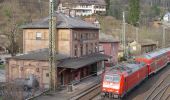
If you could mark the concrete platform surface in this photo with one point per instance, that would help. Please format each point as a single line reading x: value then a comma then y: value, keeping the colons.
x: 77, y: 89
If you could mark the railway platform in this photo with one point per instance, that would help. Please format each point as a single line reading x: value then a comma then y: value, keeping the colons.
x: 64, y: 94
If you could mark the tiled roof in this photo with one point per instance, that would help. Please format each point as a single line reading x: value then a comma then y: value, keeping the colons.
x: 76, y: 63
x: 63, y: 21
x: 41, y: 54
x: 96, y: 2
x: 65, y: 61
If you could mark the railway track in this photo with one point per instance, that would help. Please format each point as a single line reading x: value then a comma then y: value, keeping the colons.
x: 160, y: 91
x: 88, y: 94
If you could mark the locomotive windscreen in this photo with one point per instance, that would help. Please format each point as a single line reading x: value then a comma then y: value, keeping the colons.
x: 112, y: 78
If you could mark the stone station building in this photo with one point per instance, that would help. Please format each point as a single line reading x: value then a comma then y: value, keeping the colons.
x: 77, y: 54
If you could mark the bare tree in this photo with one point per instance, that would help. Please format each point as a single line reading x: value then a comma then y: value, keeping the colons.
x: 11, y: 91
x: 10, y: 29
x: 14, y: 13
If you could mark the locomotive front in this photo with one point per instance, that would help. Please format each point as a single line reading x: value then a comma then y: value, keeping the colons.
x: 111, y: 86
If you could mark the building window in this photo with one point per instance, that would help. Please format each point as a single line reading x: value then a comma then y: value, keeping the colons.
x: 64, y: 36
x: 96, y: 47
x: 75, y: 36
x: 38, y: 36
x: 81, y: 36
x: 81, y: 50
x: 91, y: 48
x: 46, y: 35
x: 75, y: 50
x: 89, y: 36
x: 86, y: 49
x: 47, y: 74
x: 30, y: 35
x: 86, y: 36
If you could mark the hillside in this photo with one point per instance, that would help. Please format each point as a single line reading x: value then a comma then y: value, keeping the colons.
x: 17, y: 12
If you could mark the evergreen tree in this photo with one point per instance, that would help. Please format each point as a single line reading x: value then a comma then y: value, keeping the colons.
x: 107, y: 7
x: 134, y: 11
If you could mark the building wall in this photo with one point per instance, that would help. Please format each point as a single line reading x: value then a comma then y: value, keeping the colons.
x: 64, y: 41
x: 23, y: 68
x: 30, y: 42
x: 111, y: 49
x: 84, y: 42
x: 67, y: 41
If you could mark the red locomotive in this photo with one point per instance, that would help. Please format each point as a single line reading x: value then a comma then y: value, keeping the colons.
x: 122, y: 78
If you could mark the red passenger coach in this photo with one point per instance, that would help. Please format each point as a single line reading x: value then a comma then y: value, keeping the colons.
x: 122, y: 78
x: 155, y: 60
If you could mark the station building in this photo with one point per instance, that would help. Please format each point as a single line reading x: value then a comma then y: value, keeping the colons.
x: 77, y: 52
x: 109, y: 45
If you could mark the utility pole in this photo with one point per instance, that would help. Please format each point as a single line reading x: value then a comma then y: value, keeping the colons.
x: 163, y: 37
x: 52, y: 52
x: 124, y: 36
x: 137, y: 31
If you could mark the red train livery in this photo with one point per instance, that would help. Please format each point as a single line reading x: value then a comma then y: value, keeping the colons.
x: 122, y: 78
x: 155, y: 60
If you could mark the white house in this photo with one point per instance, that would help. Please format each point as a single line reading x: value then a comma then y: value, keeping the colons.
x: 166, y: 17
x: 82, y: 7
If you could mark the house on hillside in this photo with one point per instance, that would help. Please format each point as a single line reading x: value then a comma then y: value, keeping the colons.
x: 166, y: 17
x: 82, y: 7
x: 141, y: 47
x: 77, y: 56
x: 109, y: 46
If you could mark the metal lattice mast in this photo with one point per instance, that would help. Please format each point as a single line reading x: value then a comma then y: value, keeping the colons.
x: 137, y: 33
x: 123, y: 35
x: 163, y: 37
x: 52, y: 52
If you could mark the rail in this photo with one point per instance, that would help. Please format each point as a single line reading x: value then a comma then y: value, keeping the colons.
x: 156, y: 87
x: 163, y: 89
x: 88, y: 94
x: 167, y: 97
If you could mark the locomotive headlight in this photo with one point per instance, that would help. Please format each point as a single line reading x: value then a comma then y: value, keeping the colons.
x: 116, y: 86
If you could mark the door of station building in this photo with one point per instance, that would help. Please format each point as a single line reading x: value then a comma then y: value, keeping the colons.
x: 46, y: 78
x: 15, y: 72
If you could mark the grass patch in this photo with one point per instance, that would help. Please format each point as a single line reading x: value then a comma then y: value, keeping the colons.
x: 0, y: 98
x: 2, y: 67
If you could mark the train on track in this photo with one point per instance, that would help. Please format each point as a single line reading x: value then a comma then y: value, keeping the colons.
x: 122, y: 78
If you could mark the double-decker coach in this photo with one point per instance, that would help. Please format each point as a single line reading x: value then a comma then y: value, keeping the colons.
x: 155, y: 60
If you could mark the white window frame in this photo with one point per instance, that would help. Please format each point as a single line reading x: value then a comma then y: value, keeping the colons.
x: 38, y: 35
